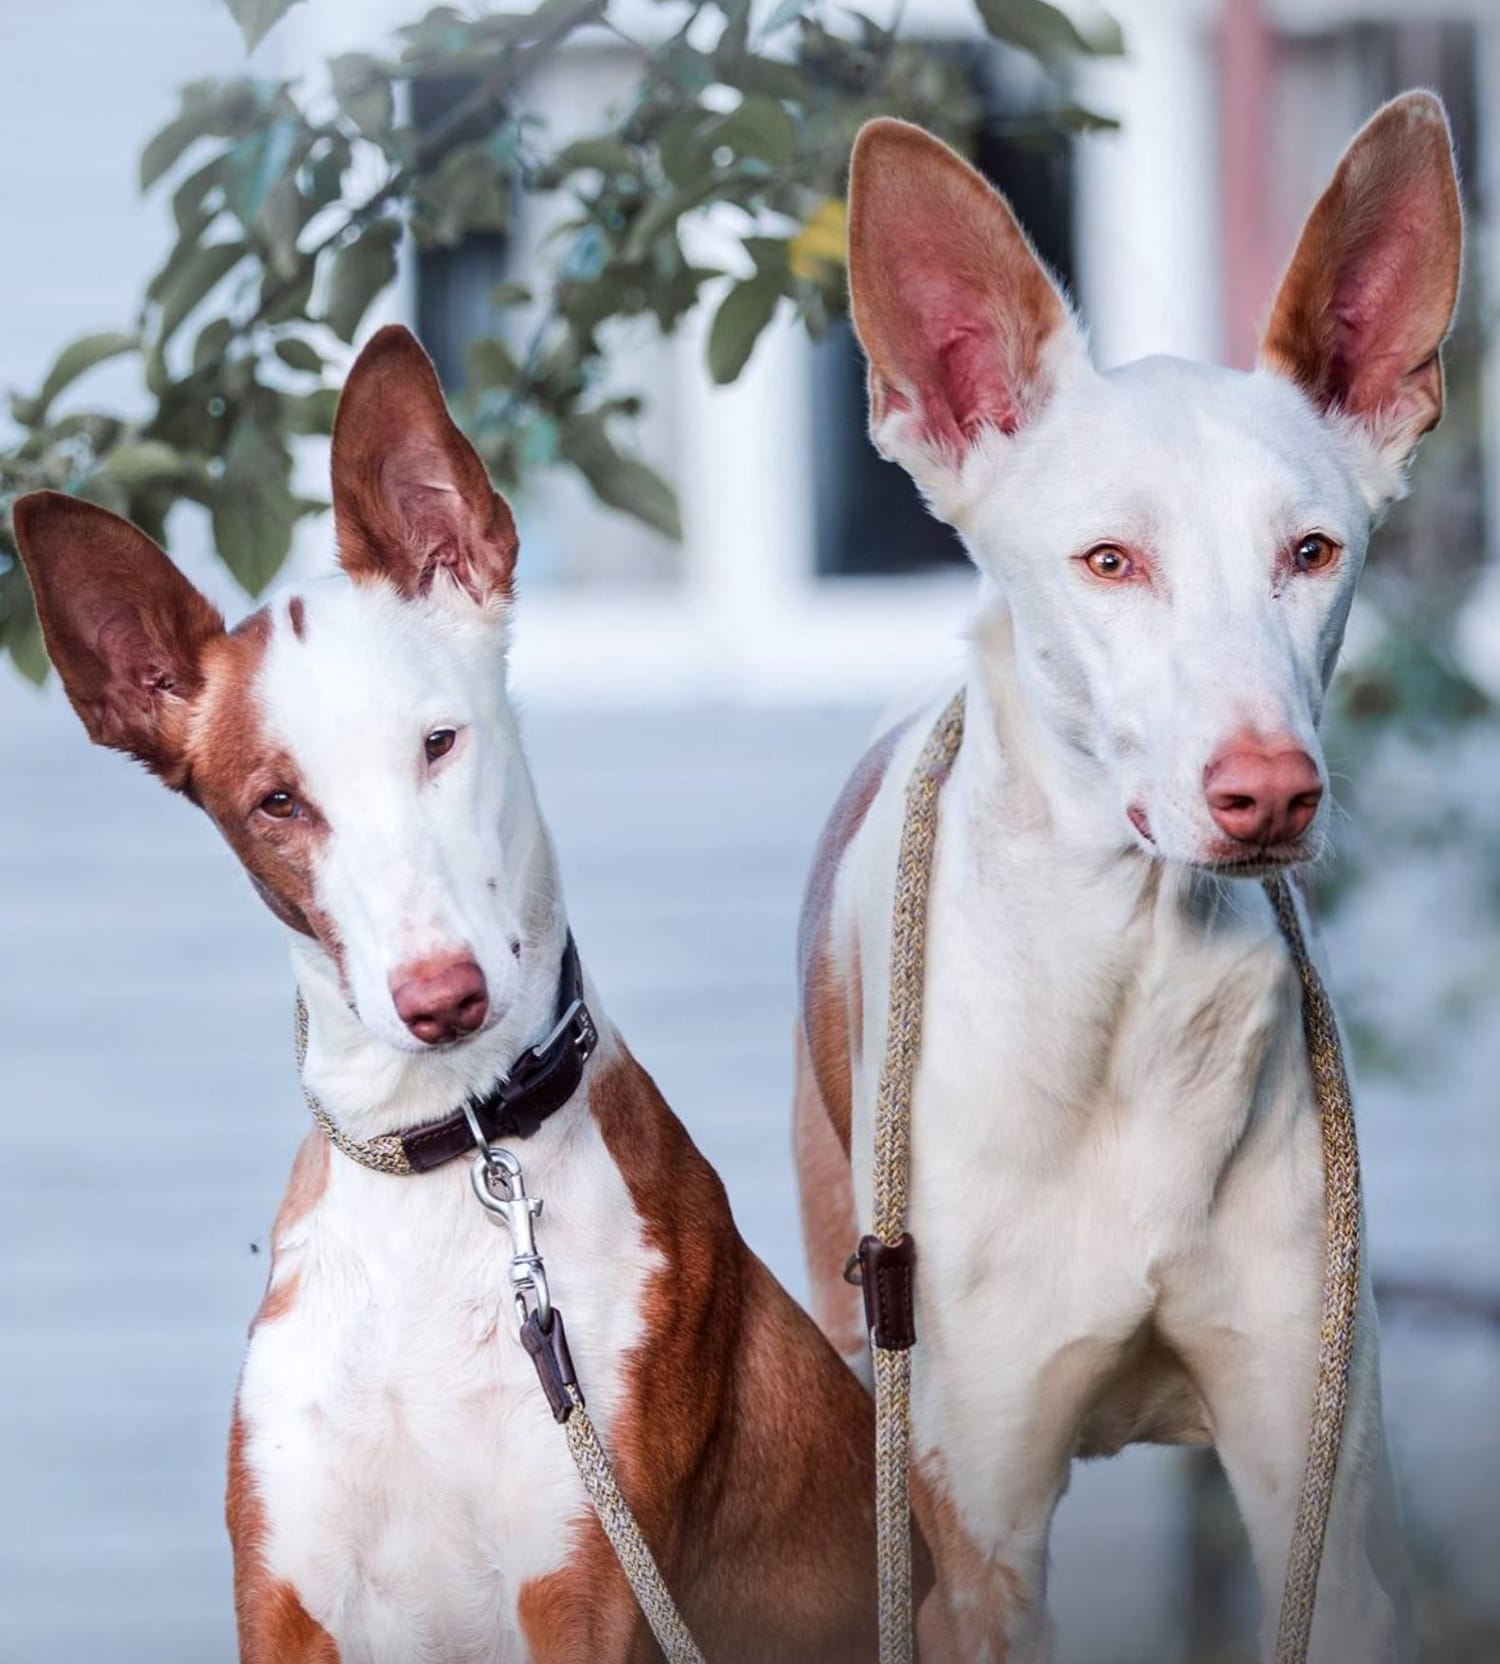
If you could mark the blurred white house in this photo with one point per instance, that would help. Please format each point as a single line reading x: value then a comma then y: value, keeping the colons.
x: 807, y: 568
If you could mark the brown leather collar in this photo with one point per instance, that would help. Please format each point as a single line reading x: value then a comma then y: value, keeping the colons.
x: 538, y: 1084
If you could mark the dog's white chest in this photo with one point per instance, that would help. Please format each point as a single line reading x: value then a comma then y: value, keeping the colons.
x: 411, y: 1474
x: 1086, y: 1085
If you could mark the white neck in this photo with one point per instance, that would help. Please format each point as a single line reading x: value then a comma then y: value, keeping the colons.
x: 1020, y: 785
x: 370, y: 1087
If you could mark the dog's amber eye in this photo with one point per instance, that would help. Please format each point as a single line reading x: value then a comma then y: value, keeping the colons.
x: 439, y: 743
x: 1315, y: 553
x: 1107, y: 561
x: 279, y: 805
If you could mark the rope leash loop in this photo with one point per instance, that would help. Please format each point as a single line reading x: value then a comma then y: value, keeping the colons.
x: 885, y: 1260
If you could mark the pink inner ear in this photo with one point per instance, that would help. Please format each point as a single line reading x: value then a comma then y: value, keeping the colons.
x: 955, y: 356
x: 953, y: 308
x: 1378, y: 339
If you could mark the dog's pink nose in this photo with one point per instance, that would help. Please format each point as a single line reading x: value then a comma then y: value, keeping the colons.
x: 440, y: 1000
x: 1263, y: 793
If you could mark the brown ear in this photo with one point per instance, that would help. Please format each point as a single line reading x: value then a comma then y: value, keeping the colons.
x: 124, y: 628
x: 964, y: 329
x: 410, y: 495
x: 1366, y: 303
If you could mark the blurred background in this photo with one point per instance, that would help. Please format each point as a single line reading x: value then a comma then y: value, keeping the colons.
x: 627, y: 265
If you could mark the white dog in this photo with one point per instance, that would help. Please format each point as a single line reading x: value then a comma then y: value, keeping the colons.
x: 1117, y: 1191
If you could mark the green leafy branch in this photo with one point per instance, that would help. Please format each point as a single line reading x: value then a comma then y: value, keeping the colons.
x: 278, y: 256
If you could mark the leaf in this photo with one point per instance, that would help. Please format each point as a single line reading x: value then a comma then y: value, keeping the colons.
x: 759, y: 127
x: 257, y: 18
x: 285, y: 299
x: 299, y: 354
x: 1045, y: 32
x: 820, y: 246
x: 608, y: 153
x: 76, y: 359
x: 20, y: 629
x: 467, y: 192
x: 167, y: 146
x: 253, y: 512
x: 362, y: 88
x: 621, y: 482
x: 195, y: 202
x: 191, y: 279
x: 491, y: 363
x: 743, y: 314
x: 141, y: 461
x: 311, y: 413
x: 255, y: 165
x: 361, y: 269
x: 213, y: 340
x: 280, y: 223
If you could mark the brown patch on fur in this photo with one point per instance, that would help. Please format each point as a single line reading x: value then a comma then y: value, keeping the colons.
x: 584, y: 1613
x: 150, y: 670
x: 1365, y: 305
x: 969, y: 1612
x: 126, y: 631
x: 743, y: 1444
x: 303, y: 1192
x: 274, y: 1626
x: 297, y: 613
x: 952, y: 305
x: 832, y: 1002
x: 828, y: 1037
x: 410, y: 493
x: 830, y: 1224
x: 233, y: 764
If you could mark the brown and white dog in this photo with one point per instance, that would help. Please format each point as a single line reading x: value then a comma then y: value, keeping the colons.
x: 1116, y: 1170
x: 398, y: 1490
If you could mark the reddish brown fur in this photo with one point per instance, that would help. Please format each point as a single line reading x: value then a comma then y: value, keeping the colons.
x: 828, y: 972
x: 952, y: 306
x: 232, y: 765
x: 744, y: 1445
x: 122, y: 625
x: 828, y: 1037
x: 304, y: 1190
x: 1366, y: 302
x: 974, y: 1600
x: 410, y: 493
x: 274, y: 1626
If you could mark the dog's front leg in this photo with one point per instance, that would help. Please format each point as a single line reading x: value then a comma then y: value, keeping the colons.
x: 983, y: 1605
x: 1260, y: 1410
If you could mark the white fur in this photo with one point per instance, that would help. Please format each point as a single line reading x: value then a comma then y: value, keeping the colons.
x: 1114, y: 1129
x: 421, y: 860
x: 411, y: 1474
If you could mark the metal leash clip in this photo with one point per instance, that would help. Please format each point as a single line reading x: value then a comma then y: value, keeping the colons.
x: 496, y: 1177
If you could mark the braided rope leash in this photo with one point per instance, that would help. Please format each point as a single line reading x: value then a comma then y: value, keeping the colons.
x: 497, y: 1182
x: 886, y: 1257
x: 636, y: 1560
x: 1341, y: 1274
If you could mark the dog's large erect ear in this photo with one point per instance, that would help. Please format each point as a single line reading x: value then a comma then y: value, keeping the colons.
x: 1364, y: 308
x: 965, y: 331
x: 410, y: 495
x: 125, y: 630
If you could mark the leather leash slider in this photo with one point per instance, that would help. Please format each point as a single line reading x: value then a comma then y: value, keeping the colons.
x: 548, y: 1350
x: 887, y: 1273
